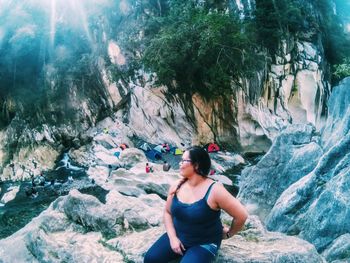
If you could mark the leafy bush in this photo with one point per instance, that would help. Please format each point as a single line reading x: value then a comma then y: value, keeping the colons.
x: 342, y: 70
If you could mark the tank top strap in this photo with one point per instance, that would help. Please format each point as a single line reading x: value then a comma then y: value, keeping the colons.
x: 208, y: 192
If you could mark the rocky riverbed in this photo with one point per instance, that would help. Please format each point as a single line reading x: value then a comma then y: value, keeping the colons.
x: 18, y: 207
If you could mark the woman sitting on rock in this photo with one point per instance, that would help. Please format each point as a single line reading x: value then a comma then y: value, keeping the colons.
x: 192, y: 214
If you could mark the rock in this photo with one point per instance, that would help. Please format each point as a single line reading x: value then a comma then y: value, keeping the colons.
x: 82, y: 156
x: 98, y: 173
x: 130, y: 191
x: 89, y: 212
x: 72, y: 247
x: 301, y: 209
x: 280, y: 248
x: 136, y: 244
x: 304, y: 104
x: 78, y: 222
x: 139, y: 213
x: 106, y: 140
x: 221, y: 161
x: 308, y: 207
x: 103, y: 158
x: 9, y: 195
x: 131, y: 156
x: 339, y: 250
x: 338, y: 121
x: 154, y: 118
x: 254, y: 244
x: 261, y: 185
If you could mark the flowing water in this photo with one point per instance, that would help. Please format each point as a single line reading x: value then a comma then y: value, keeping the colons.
x: 18, y: 212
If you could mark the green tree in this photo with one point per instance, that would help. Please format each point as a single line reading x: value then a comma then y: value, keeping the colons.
x: 198, y: 50
x: 274, y: 19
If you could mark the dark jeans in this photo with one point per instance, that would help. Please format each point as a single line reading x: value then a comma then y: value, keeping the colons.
x: 161, y: 252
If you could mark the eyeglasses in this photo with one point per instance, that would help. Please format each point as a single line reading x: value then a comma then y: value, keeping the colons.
x: 185, y: 161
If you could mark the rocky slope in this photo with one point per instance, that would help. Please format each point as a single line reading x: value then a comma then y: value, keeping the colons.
x: 80, y: 228
x: 307, y: 193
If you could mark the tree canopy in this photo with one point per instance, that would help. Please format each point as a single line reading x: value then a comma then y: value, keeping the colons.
x: 197, y: 49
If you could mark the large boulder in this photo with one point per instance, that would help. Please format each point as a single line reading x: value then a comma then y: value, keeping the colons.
x: 254, y: 244
x: 309, y: 206
x: 75, y: 228
x: 339, y: 250
x: 132, y: 156
x: 316, y: 207
x: 292, y: 156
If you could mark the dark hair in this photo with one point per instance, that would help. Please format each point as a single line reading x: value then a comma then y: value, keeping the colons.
x: 200, y: 160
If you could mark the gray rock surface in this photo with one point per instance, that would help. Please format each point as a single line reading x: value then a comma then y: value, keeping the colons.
x: 254, y: 244
x: 316, y: 207
x: 339, y: 250
x: 79, y: 228
x: 75, y: 227
x: 338, y: 121
x: 293, y: 155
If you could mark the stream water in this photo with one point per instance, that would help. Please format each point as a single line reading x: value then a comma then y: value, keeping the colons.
x: 18, y: 212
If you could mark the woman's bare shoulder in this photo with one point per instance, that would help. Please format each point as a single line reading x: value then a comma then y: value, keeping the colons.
x: 219, y: 189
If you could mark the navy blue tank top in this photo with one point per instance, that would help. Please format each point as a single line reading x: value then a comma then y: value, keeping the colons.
x: 196, y: 223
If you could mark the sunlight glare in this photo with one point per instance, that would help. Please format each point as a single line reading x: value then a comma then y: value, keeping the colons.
x: 53, y: 22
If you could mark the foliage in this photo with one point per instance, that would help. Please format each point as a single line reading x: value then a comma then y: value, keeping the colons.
x: 335, y: 39
x: 273, y: 19
x: 342, y: 70
x: 194, y: 49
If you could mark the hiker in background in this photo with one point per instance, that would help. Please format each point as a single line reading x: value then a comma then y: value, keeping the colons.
x: 33, y: 180
x: 166, y: 147
x: 148, y: 168
x: 166, y: 166
x: 34, y: 193
x: 12, y: 165
x: 70, y: 179
x: 123, y: 146
x: 34, y: 163
x: 42, y: 179
x: 109, y: 170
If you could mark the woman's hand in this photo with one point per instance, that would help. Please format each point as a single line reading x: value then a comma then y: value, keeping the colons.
x: 177, y: 246
x: 225, y: 233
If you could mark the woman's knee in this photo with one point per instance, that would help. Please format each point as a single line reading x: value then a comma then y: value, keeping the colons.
x: 200, y: 254
x: 150, y: 257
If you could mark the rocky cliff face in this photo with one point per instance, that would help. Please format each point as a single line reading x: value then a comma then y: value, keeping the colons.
x: 301, y: 195
x: 79, y: 92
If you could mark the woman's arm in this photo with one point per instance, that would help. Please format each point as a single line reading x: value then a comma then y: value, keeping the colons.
x: 233, y: 207
x: 175, y: 243
x: 168, y: 220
